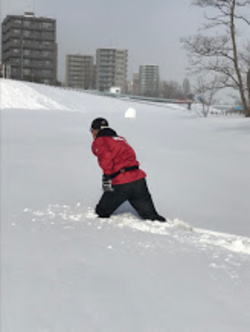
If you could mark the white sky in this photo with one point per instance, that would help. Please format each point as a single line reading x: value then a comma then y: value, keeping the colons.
x: 149, y: 29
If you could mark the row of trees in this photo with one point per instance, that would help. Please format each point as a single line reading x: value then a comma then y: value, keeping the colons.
x: 174, y: 90
x: 217, y: 53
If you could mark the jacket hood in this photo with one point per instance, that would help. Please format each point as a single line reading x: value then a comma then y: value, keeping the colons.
x: 106, y: 132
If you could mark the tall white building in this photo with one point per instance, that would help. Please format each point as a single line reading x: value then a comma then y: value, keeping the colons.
x: 111, y: 68
x: 149, y: 80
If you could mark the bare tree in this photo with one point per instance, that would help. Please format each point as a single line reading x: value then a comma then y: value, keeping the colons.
x: 171, y: 90
x: 248, y: 84
x: 206, y: 90
x: 186, y: 88
x: 218, y: 52
x: 246, y: 58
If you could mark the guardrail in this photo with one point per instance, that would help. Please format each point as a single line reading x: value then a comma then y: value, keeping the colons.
x: 140, y: 98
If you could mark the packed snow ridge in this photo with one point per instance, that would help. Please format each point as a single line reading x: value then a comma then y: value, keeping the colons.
x: 174, y: 228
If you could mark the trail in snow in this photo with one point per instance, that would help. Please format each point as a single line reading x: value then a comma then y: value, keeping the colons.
x: 177, y: 229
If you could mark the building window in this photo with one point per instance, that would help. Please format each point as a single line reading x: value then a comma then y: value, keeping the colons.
x: 27, y: 52
x: 14, y: 71
x: 46, y: 43
x: 46, y: 81
x: 48, y: 35
x: 26, y: 62
x: 27, y: 33
x: 27, y: 24
x: 45, y: 72
x: 26, y: 71
x: 46, y: 53
x: 47, y: 25
x: 15, y: 61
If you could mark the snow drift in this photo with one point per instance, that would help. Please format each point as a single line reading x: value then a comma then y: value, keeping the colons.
x: 63, y: 269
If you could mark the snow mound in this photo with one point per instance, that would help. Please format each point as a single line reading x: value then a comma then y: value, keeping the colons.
x: 130, y: 113
x: 21, y: 95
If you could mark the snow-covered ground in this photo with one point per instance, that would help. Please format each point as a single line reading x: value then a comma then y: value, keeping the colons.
x: 64, y: 270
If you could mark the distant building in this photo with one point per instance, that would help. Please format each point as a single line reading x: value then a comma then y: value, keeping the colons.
x: 29, y: 47
x: 149, y: 80
x: 94, y: 77
x: 5, y: 71
x: 136, y: 84
x: 111, y: 68
x: 80, y: 71
x: 129, y: 89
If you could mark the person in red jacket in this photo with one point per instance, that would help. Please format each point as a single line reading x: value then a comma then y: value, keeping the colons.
x: 122, y: 178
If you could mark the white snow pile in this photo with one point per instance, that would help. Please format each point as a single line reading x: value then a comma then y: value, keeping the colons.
x: 24, y: 96
x: 31, y: 96
x: 130, y: 113
x: 65, y: 270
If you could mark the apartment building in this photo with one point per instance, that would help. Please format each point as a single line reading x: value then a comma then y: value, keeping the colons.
x: 149, y: 80
x: 80, y: 71
x: 111, y: 68
x: 29, y: 47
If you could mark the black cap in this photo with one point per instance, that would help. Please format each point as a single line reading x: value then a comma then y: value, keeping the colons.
x: 99, y: 123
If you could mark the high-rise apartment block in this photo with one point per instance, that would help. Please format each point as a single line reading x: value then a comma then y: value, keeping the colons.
x: 80, y: 71
x: 111, y: 68
x: 29, y: 47
x: 149, y: 80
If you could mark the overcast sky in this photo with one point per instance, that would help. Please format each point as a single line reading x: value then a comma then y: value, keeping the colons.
x: 149, y: 29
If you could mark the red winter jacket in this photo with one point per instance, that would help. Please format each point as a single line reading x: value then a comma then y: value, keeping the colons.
x: 114, y: 153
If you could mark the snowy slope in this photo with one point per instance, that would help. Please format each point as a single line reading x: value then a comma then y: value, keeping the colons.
x: 65, y: 270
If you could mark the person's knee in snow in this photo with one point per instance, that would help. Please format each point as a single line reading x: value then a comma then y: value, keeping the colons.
x: 100, y: 211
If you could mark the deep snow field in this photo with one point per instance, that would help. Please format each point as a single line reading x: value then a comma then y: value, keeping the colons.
x: 64, y: 270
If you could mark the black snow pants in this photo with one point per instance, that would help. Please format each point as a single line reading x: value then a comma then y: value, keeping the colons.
x: 136, y: 193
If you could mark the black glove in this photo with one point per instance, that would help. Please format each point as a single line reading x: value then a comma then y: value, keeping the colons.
x: 106, y: 183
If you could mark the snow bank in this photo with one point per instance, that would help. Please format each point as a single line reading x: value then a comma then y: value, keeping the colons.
x: 63, y: 269
x: 25, y: 96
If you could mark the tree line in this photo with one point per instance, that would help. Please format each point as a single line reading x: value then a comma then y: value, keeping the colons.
x: 217, y: 55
